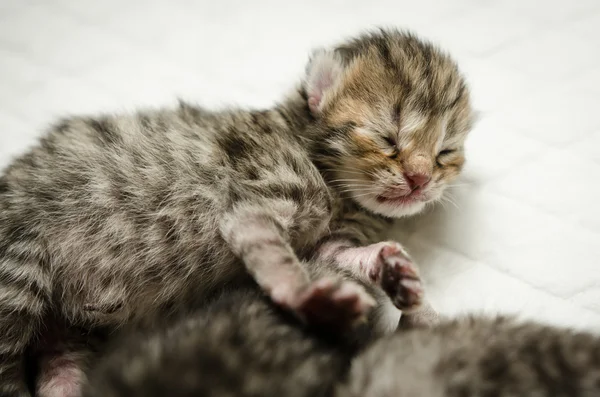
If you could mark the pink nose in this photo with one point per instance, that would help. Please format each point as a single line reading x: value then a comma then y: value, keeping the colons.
x: 416, y: 181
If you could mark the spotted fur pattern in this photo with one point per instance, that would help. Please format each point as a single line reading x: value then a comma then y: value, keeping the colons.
x: 117, y: 219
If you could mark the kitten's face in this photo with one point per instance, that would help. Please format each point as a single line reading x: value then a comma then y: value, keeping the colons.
x: 394, y: 124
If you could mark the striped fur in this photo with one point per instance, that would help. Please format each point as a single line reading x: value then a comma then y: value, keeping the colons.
x: 240, y: 345
x: 479, y: 356
x: 117, y: 219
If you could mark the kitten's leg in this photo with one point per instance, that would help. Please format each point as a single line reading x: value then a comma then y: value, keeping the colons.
x: 387, y: 265
x: 259, y: 236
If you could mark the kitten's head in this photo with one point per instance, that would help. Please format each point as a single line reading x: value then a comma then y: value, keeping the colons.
x: 392, y: 113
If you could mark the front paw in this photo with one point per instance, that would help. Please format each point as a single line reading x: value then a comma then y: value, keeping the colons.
x: 398, y: 276
x: 332, y: 303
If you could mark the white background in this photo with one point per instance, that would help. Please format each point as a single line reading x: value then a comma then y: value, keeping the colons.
x: 524, y: 234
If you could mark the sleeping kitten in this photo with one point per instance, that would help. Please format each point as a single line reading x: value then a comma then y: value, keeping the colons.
x: 241, y: 345
x: 477, y: 356
x: 113, y: 220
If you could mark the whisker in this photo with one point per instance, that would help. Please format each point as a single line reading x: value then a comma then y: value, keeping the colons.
x: 350, y: 169
x: 354, y: 183
x: 348, y: 180
x: 351, y: 189
x: 339, y: 187
x: 362, y: 195
x: 446, y: 199
x: 443, y: 204
x: 359, y: 191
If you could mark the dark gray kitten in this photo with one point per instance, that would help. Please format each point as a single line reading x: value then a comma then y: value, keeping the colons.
x: 479, y: 356
x: 243, y: 346
x: 240, y: 345
x: 113, y: 220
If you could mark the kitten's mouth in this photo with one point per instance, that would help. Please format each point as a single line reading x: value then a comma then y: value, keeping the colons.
x: 395, y: 204
x: 407, y: 199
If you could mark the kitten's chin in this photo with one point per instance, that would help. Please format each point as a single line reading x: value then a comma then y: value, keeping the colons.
x: 390, y: 208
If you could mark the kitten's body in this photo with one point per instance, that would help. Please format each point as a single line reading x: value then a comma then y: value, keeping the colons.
x: 132, y: 218
x: 120, y: 219
x: 242, y: 346
x: 479, y: 356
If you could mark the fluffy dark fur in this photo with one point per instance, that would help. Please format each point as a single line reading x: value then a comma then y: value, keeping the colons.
x: 242, y: 345
x: 479, y: 356
x: 118, y: 219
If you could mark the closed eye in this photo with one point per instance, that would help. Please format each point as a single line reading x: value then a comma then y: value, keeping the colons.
x: 441, y: 157
x: 390, y: 141
x: 393, y: 151
x: 446, y: 152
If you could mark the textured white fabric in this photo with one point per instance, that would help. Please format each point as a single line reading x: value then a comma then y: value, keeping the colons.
x: 524, y: 236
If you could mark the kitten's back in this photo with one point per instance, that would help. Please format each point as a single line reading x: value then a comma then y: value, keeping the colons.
x: 241, y: 345
x: 479, y: 357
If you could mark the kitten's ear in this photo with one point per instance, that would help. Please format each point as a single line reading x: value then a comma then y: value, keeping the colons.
x: 322, y: 73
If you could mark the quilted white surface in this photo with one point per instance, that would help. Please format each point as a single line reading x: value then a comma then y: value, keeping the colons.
x: 523, y: 236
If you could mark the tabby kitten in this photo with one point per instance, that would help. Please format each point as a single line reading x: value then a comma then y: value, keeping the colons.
x: 479, y: 356
x: 113, y: 220
x: 241, y: 345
